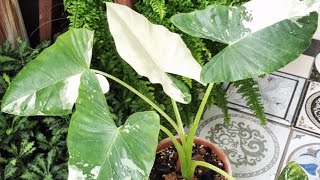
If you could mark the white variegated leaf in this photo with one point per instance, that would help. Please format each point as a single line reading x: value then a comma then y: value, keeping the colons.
x: 49, y: 84
x: 104, y: 84
x: 152, y: 50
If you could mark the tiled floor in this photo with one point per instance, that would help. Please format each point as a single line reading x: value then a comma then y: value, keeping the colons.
x: 254, y: 150
x: 304, y: 149
x: 292, y: 104
x: 309, y: 117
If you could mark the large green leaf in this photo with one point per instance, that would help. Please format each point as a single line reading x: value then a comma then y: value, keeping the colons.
x: 99, y: 149
x: 49, y: 84
x: 254, y: 48
x: 293, y: 171
x: 152, y: 50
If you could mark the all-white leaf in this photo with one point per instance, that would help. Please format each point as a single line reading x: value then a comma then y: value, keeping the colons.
x: 152, y: 50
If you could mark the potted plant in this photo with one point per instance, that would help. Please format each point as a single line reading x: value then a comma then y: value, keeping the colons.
x: 61, y: 77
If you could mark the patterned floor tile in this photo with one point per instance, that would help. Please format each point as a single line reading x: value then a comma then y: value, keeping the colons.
x: 280, y: 93
x: 309, y: 117
x: 254, y: 150
x: 305, y: 150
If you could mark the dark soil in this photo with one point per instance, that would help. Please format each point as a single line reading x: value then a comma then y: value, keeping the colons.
x: 167, y: 166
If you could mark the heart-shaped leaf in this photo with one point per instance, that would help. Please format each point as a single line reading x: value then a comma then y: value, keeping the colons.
x: 152, y: 50
x: 99, y: 149
x: 254, y: 48
x: 49, y: 84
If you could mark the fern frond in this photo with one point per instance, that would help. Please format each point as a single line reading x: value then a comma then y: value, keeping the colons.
x: 220, y: 99
x: 188, y: 81
x: 159, y: 7
x: 249, y: 90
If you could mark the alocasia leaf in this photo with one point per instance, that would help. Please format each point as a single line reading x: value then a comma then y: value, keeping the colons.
x: 152, y: 50
x: 254, y: 47
x: 99, y: 149
x: 293, y: 171
x: 49, y: 84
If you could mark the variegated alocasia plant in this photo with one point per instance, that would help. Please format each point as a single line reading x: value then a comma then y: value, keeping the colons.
x: 61, y: 77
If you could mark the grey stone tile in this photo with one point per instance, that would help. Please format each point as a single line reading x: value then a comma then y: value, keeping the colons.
x: 254, y: 150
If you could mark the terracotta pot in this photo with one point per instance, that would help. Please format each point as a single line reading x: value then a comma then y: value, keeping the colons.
x: 128, y: 3
x: 200, y: 141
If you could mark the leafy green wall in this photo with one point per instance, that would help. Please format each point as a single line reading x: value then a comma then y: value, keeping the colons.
x: 31, y: 147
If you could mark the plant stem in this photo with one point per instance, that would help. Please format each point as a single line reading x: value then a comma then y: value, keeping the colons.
x: 179, y: 121
x: 156, y: 107
x: 200, y: 111
x: 192, y: 133
x: 214, y: 168
x: 173, y: 138
x: 184, y: 160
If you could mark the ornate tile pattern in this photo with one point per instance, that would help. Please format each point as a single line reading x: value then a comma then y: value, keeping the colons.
x: 305, y: 150
x: 280, y: 93
x: 309, y: 117
x: 254, y: 150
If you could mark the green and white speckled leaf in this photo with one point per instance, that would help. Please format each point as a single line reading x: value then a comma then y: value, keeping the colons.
x: 99, y: 149
x: 152, y: 50
x: 293, y: 171
x: 258, y: 43
x: 49, y: 84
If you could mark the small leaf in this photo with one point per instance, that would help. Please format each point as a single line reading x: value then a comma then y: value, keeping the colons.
x: 9, y: 171
x: 49, y: 84
x: 152, y: 50
x: 253, y: 49
x: 6, y: 78
x: 99, y: 149
x: 293, y: 172
x: 6, y: 59
x: 9, y: 131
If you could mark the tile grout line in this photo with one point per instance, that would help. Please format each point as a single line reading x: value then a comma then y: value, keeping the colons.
x: 284, y: 152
